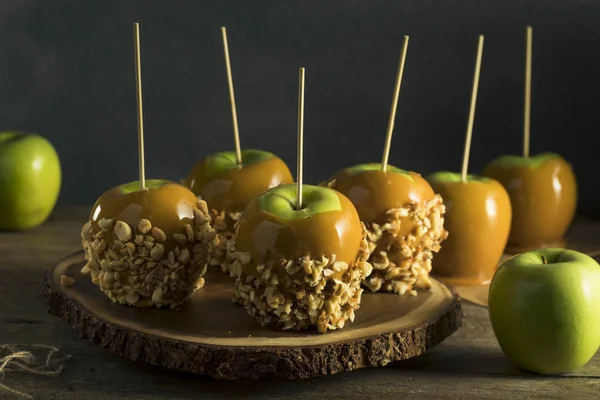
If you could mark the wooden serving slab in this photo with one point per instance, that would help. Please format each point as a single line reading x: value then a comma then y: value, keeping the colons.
x: 211, y: 335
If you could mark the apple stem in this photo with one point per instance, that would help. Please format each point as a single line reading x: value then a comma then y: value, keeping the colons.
x: 236, y: 132
x: 390, y: 129
x: 544, y: 260
x: 140, y: 115
x: 527, y: 113
x: 465, y: 164
x: 300, y: 137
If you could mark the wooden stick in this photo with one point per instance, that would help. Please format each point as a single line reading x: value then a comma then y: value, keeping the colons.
x: 300, y: 138
x: 390, y: 130
x: 527, y: 116
x: 236, y: 133
x: 465, y: 164
x: 140, y: 114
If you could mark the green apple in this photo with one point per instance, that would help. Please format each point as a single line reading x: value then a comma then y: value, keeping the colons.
x: 544, y: 306
x: 281, y: 201
x: 357, y: 169
x: 511, y: 160
x: 227, y: 160
x: 30, y: 180
x: 454, y: 177
x: 134, y: 186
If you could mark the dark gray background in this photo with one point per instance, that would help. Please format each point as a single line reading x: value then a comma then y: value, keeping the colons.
x: 67, y: 72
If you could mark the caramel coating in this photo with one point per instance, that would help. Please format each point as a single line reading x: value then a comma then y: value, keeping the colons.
x: 148, y: 247
x: 478, y: 215
x: 543, y: 199
x: 169, y: 206
x: 266, y: 236
x: 232, y: 190
x: 375, y: 192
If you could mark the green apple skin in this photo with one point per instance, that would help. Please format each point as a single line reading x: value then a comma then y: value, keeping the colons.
x: 134, y: 186
x: 30, y: 180
x: 356, y: 169
x: 281, y: 201
x: 227, y: 160
x: 512, y: 160
x: 544, y: 306
x: 454, y: 177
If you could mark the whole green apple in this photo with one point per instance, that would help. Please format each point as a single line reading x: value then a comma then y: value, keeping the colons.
x: 30, y: 180
x: 544, y: 306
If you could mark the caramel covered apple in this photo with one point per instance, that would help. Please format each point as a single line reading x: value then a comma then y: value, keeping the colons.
x: 148, y: 246
x: 543, y: 194
x: 478, y: 215
x: 542, y: 188
x: 299, y: 268
x: 404, y: 219
x: 228, y: 187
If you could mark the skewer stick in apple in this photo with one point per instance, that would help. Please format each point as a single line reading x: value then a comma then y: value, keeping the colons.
x: 465, y: 164
x: 478, y: 216
x: 542, y: 187
x: 300, y: 145
x: 527, y: 116
x: 140, y: 114
x: 236, y: 133
x: 390, y: 130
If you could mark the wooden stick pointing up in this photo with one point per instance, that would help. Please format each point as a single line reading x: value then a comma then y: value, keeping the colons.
x: 140, y: 115
x: 300, y: 138
x: 465, y: 164
x: 390, y: 130
x: 236, y: 133
x: 527, y: 116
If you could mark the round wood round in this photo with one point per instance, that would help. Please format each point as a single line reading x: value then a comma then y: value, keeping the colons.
x: 211, y: 335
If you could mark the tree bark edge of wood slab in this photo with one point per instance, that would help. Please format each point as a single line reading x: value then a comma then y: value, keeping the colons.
x: 239, y: 362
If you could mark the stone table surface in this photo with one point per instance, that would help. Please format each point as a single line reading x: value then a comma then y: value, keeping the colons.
x: 467, y: 365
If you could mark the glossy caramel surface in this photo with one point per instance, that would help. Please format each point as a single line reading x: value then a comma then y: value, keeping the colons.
x: 478, y: 216
x: 168, y: 207
x: 266, y: 236
x: 544, y: 201
x: 233, y: 189
x: 375, y: 192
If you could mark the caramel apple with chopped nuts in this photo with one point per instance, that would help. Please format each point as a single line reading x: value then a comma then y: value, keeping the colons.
x: 404, y: 219
x: 148, y: 247
x: 299, y: 268
x: 228, y: 187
